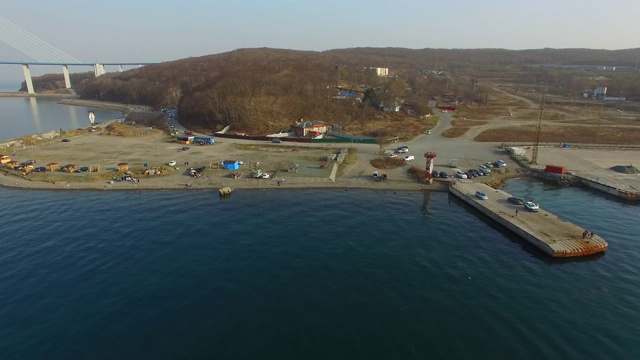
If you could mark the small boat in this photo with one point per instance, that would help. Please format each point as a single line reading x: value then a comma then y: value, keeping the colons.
x: 531, y: 206
x: 225, y: 191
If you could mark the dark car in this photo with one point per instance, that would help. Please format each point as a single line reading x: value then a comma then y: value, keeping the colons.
x: 444, y: 175
x: 516, y: 200
x: 83, y: 169
x: 65, y: 140
x: 435, y: 174
x: 185, y: 148
x: 276, y: 140
x: 40, y: 169
x: 470, y: 175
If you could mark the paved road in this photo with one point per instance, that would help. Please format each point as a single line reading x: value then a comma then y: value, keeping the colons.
x: 470, y: 154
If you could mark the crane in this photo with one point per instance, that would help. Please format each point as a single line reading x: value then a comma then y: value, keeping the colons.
x: 534, y: 155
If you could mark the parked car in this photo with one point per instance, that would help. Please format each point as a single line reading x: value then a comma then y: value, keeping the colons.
x: 393, y: 155
x: 83, y: 169
x: 515, y: 200
x: 485, y: 169
x: 435, y: 174
x: 40, y: 169
x: 402, y: 150
x: 469, y: 174
x: 444, y: 175
x: 461, y: 174
x: 531, y: 206
x: 409, y: 158
x: 28, y: 162
x: 264, y: 175
x: 65, y: 140
x: 172, y: 163
x: 185, y: 148
x: 188, y: 133
x: 276, y: 141
x: 482, y: 196
x: 499, y: 164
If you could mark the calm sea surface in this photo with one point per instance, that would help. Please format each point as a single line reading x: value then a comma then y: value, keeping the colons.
x: 25, y: 116
x: 321, y: 274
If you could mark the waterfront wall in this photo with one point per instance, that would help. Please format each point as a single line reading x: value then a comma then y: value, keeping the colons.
x: 504, y: 222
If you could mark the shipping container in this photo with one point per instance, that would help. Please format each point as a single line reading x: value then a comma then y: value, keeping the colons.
x: 555, y: 169
x: 516, y: 151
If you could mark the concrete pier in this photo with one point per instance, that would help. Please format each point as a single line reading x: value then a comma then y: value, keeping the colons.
x: 542, y: 229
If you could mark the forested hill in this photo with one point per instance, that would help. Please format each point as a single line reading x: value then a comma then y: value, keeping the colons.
x: 259, y: 90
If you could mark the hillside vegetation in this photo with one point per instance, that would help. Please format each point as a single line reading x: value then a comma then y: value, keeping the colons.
x: 260, y: 91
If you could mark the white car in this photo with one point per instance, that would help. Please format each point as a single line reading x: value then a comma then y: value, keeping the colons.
x: 409, y: 158
x: 482, y: 196
x: 172, y: 163
x: 264, y: 176
x: 393, y: 155
x: 531, y: 206
x: 461, y: 174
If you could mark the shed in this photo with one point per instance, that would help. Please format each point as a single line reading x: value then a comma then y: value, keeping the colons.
x: 231, y: 165
x: 122, y: 167
x: 53, y: 166
x: 4, y: 159
x: 12, y: 164
x: 70, y: 168
x: 185, y: 139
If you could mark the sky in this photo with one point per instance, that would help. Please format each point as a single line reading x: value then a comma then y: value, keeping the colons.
x: 166, y: 30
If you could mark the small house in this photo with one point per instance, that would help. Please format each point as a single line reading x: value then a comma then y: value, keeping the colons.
x: 122, y: 167
x: 231, y: 165
x: 53, y: 166
x: 311, y: 128
x: 4, y: 159
x: 12, y: 164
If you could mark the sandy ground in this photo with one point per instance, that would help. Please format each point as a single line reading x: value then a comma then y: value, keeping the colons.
x: 156, y: 149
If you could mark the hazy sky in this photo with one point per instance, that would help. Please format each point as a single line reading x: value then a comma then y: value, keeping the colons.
x: 165, y: 30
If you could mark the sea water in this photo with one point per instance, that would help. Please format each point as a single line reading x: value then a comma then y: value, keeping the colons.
x: 308, y: 274
x: 20, y: 116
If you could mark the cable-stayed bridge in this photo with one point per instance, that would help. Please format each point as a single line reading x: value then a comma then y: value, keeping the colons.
x: 39, y: 52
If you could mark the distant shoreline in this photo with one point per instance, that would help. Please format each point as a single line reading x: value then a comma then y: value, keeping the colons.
x: 24, y: 94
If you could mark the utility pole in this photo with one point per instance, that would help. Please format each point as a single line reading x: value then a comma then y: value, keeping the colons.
x: 534, y: 156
